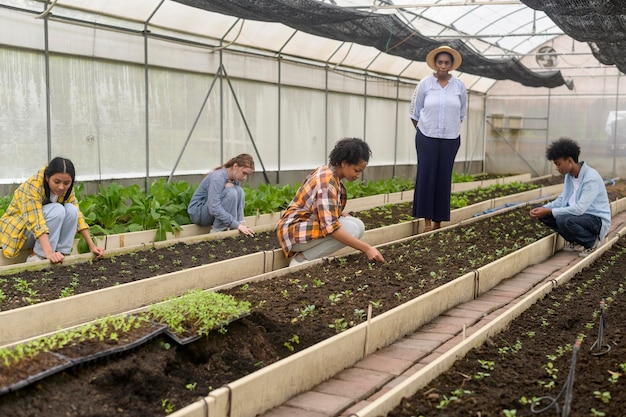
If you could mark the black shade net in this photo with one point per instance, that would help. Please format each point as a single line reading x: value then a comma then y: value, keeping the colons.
x: 387, y: 33
x: 601, y: 23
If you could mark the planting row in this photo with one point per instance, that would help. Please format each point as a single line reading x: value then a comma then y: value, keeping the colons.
x: 32, y: 286
x: 292, y: 342
x: 534, y: 366
x: 185, y: 319
x: 168, y: 220
x: 289, y: 313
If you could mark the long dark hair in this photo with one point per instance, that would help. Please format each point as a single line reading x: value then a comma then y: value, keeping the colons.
x: 56, y: 166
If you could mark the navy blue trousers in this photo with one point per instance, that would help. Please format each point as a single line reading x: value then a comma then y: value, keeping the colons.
x: 433, y: 181
x: 582, y: 230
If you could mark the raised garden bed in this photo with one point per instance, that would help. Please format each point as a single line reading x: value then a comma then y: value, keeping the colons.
x: 340, y: 292
x: 21, y: 287
x: 184, y: 319
x: 533, y: 358
x: 26, y: 285
x: 268, y: 344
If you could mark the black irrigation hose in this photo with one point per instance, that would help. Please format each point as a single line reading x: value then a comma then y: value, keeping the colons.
x: 567, y: 390
x: 598, y: 343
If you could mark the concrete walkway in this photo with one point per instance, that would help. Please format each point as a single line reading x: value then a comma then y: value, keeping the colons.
x: 352, y: 389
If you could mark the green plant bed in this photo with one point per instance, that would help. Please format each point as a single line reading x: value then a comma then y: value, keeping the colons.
x: 29, y: 287
x: 533, y: 358
x: 29, y: 362
x: 289, y: 313
x: 32, y: 287
x: 185, y: 319
x: 198, y: 313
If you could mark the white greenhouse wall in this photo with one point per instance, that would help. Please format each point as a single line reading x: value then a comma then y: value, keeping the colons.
x: 287, y: 114
x: 545, y: 115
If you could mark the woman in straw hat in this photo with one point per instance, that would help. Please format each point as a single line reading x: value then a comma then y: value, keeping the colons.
x: 437, y: 110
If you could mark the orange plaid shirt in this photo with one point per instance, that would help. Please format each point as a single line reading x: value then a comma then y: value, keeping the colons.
x: 315, y: 210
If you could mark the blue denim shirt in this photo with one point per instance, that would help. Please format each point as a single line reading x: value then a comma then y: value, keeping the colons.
x: 591, y: 198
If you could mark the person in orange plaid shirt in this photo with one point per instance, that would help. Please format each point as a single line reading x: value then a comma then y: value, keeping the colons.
x: 314, y: 225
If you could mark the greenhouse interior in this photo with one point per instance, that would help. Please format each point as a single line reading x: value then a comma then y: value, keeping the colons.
x: 174, y: 88
x: 148, y: 313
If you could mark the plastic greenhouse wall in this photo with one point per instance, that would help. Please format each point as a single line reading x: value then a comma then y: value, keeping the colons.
x: 200, y: 108
x: 520, y: 122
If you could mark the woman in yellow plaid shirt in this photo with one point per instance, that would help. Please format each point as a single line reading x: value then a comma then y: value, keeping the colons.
x: 314, y: 225
x: 44, y: 215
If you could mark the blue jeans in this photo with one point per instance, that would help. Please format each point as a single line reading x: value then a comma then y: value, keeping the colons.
x: 583, y: 229
x: 233, y: 201
x: 62, y: 222
x: 318, y: 248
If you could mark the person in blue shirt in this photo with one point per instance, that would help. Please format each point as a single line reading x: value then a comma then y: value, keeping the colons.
x: 582, y: 213
x: 219, y: 199
x: 437, y: 110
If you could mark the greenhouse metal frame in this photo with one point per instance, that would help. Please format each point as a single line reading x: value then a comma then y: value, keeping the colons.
x: 158, y: 88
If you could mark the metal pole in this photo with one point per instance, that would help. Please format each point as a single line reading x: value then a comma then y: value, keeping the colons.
x: 396, y: 129
x: 47, y: 69
x: 222, y: 110
x: 326, y: 111
x: 245, y: 123
x: 615, y: 127
x: 193, y: 127
x: 546, y: 163
x: 279, y: 93
x: 147, y: 95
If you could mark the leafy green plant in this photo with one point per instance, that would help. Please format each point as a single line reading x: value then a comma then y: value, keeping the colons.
x: 335, y: 298
x: 317, y: 283
x: 167, y: 405
x: 106, y: 212
x: 446, y: 401
x: 147, y: 213
x: 306, y: 311
x: 339, y: 325
x: 267, y: 198
x: 198, y: 312
x: 107, y: 328
x: 293, y: 340
x: 604, y: 396
x: 488, y: 365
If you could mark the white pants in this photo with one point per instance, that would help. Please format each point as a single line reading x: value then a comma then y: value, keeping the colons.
x: 318, y: 248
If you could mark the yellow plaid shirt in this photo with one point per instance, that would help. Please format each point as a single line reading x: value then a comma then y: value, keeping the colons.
x: 315, y: 210
x: 25, y: 213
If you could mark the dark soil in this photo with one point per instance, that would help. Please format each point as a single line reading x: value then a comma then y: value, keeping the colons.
x: 34, y: 286
x: 161, y: 375
x: 545, y: 334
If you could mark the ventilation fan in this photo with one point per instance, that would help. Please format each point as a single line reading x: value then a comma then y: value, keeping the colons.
x: 546, y: 57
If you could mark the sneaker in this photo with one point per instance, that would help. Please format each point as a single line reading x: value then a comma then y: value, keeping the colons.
x: 589, y: 251
x: 572, y: 247
x: 34, y: 258
x: 298, y: 259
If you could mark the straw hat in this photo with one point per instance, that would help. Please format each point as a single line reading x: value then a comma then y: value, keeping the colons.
x: 430, y: 58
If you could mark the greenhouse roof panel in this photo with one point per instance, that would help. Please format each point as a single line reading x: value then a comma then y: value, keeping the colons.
x: 493, y: 35
x: 388, y: 33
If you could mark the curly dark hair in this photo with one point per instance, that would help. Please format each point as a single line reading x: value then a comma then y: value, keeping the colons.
x: 563, y: 148
x: 351, y: 150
